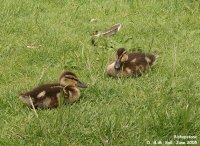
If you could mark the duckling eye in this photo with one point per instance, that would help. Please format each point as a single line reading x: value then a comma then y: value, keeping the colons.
x: 75, y: 79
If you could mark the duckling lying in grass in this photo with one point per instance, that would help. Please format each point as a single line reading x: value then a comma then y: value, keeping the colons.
x: 47, y: 96
x: 131, y: 64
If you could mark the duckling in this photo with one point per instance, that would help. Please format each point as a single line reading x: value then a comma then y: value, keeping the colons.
x: 47, y: 95
x: 130, y: 64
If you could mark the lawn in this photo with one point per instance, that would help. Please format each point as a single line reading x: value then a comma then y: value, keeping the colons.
x: 120, y: 112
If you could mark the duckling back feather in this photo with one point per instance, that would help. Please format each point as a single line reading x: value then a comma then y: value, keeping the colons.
x: 43, y: 90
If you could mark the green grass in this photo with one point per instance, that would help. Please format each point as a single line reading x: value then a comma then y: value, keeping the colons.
x: 163, y: 103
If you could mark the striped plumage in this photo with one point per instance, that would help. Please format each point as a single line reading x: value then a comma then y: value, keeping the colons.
x: 131, y: 64
x: 47, y: 95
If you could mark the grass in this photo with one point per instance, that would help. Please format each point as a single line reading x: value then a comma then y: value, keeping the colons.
x: 163, y: 103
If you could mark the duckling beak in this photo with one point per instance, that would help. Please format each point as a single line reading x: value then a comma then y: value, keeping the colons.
x: 117, y: 64
x: 81, y: 84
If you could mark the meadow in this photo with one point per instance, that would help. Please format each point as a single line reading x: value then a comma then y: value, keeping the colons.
x: 120, y: 112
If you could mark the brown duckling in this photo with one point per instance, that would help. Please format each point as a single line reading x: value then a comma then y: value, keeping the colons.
x: 131, y: 64
x: 46, y: 96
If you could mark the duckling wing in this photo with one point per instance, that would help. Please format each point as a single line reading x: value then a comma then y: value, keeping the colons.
x: 43, y: 90
x: 141, y: 58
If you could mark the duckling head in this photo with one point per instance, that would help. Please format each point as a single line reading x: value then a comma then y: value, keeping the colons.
x: 70, y: 79
x: 122, y: 56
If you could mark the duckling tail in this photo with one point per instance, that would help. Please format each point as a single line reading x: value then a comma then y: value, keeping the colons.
x: 25, y: 99
x: 21, y: 95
